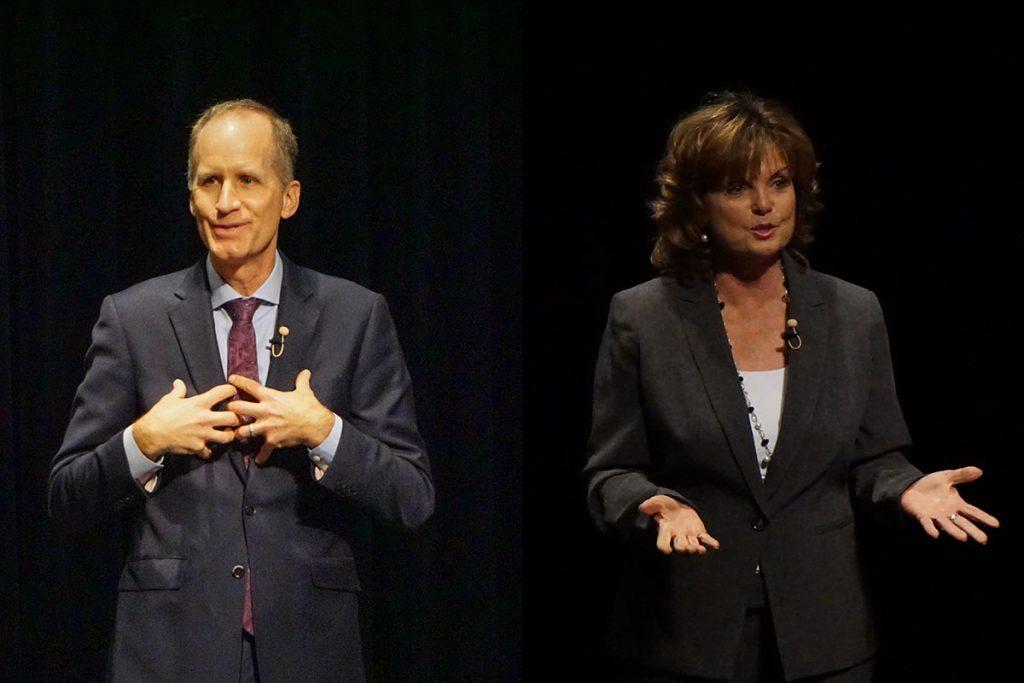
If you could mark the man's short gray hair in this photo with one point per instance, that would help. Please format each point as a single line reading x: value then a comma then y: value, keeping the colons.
x: 284, y: 138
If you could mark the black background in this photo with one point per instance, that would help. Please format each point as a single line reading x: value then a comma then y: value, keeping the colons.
x: 422, y: 128
x: 917, y: 120
x: 408, y: 118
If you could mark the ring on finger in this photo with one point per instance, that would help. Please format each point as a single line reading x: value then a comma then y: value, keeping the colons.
x: 251, y: 433
x: 952, y: 517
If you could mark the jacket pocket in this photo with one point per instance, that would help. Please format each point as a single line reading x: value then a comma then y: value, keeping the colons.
x: 835, y: 524
x: 336, y: 573
x: 152, y: 573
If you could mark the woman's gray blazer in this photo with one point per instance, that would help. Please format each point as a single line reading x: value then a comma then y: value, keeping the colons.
x: 670, y: 417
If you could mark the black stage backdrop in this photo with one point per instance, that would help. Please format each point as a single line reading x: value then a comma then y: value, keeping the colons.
x: 409, y: 122
x: 917, y: 123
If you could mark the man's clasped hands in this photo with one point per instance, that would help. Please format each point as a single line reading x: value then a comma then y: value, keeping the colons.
x: 194, y: 425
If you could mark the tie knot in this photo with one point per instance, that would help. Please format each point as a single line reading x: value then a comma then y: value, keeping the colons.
x: 241, y: 310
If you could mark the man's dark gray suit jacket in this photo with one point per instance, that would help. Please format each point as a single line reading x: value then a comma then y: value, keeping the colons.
x: 179, y: 610
x: 670, y: 417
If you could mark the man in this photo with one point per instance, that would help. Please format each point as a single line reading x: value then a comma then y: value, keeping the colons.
x: 239, y: 414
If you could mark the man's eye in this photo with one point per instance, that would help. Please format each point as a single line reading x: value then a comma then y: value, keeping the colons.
x: 247, y: 179
x: 210, y: 180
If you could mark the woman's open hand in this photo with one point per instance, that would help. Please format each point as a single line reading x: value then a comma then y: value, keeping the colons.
x: 933, y: 500
x: 680, y: 528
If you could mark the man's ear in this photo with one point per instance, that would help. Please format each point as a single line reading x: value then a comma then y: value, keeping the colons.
x: 290, y: 205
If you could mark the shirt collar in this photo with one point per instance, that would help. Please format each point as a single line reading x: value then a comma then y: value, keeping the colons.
x: 221, y: 292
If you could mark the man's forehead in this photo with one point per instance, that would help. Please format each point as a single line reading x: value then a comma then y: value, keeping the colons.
x: 233, y: 134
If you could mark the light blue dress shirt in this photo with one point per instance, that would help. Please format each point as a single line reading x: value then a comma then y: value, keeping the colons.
x: 263, y: 322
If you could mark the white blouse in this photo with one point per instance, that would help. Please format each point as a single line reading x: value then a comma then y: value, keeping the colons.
x: 765, y: 389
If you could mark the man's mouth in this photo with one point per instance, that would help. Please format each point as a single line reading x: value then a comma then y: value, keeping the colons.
x: 226, y: 227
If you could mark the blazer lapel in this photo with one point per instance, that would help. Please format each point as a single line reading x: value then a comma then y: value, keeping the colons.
x: 804, y: 370
x: 711, y: 354
x: 299, y: 313
x: 192, y: 320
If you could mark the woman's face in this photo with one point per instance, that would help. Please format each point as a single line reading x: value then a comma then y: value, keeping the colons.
x: 752, y: 219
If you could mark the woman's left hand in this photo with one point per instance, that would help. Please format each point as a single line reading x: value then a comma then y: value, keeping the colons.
x: 933, y: 500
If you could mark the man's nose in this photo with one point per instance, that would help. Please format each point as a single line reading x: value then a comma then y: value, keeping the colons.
x: 226, y: 200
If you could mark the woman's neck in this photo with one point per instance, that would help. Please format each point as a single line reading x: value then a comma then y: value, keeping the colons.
x: 749, y: 284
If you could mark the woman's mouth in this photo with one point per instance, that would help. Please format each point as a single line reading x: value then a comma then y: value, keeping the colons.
x: 763, y: 231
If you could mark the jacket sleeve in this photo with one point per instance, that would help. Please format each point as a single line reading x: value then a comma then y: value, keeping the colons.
x: 880, y: 472
x: 616, y: 473
x: 89, y: 476
x: 381, y: 461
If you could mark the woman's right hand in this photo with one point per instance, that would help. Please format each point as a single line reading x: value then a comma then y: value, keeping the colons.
x: 680, y: 528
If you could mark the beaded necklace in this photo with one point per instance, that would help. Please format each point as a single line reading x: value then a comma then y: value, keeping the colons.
x: 793, y: 341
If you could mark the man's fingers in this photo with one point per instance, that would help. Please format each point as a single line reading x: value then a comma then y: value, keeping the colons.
x: 247, y: 430
x: 178, y: 389
x: 302, y: 380
x: 212, y: 397
x: 929, y: 527
x: 979, y: 515
x: 205, y: 454
x: 964, y: 475
x: 249, y: 386
x: 247, y: 408
x: 219, y: 436
x: 224, y: 418
x: 971, y: 530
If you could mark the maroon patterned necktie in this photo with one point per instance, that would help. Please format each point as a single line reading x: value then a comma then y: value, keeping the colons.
x: 242, y: 357
x: 242, y: 361
x: 242, y: 339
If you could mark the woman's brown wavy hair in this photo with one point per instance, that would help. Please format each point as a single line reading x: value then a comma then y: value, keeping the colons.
x: 722, y: 141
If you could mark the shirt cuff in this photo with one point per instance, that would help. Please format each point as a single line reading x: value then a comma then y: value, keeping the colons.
x: 323, y: 454
x: 142, y: 468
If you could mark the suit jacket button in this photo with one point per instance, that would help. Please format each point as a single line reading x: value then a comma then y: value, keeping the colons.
x: 250, y: 510
x: 760, y: 524
x: 238, y: 571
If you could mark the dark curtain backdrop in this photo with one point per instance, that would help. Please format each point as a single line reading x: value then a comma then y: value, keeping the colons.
x: 917, y: 122
x: 409, y: 124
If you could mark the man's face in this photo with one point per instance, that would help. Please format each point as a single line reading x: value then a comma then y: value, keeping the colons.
x: 237, y: 197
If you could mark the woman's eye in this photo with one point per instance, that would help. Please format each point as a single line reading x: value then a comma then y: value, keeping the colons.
x: 734, y: 188
x: 782, y: 183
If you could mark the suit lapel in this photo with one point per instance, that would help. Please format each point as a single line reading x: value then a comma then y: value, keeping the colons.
x: 710, y: 348
x: 299, y: 313
x: 192, y: 320
x: 804, y: 372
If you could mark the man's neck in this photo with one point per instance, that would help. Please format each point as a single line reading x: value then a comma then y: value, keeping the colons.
x: 247, y: 277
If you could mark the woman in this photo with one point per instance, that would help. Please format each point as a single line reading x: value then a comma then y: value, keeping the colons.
x: 743, y: 408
